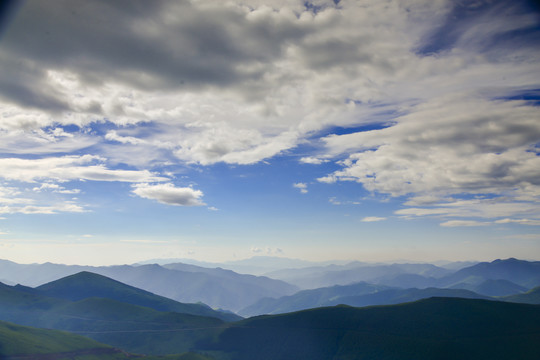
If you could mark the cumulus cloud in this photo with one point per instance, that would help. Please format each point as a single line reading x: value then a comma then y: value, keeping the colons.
x: 302, y: 187
x: 313, y: 160
x: 425, y: 151
x: 168, y: 194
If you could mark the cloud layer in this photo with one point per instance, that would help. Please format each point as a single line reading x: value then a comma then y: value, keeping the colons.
x: 447, y: 90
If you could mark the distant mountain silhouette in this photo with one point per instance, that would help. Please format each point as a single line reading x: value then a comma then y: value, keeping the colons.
x: 520, y: 272
x: 361, y: 294
x: 403, y: 275
x: 492, y: 287
x: 307, y: 299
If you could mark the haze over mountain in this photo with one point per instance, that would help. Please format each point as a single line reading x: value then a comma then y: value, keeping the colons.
x: 225, y: 289
x: 217, y: 288
x: 359, y: 295
x: 256, y: 265
x: 383, y: 274
x: 500, y: 277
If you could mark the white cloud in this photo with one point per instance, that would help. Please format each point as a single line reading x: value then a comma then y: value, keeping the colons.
x: 313, y: 160
x: 456, y: 223
x: 67, y: 168
x: 55, y: 188
x: 14, y: 200
x: 533, y: 222
x: 334, y: 201
x: 373, y: 219
x: 267, y: 250
x: 423, y: 153
x: 302, y: 187
x: 169, y: 194
x: 484, y: 208
x: 66, y: 206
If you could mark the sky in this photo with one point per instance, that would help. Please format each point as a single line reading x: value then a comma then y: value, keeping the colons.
x: 370, y: 130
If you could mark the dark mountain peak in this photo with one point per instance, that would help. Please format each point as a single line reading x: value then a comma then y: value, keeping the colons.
x: 82, y: 280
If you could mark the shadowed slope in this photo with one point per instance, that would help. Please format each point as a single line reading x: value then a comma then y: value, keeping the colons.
x: 436, y: 328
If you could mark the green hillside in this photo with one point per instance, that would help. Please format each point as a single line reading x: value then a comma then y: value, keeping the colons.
x: 24, y: 342
x: 530, y: 297
x: 86, y: 284
x: 436, y: 328
x: 20, y: 306
x: 20, y: 340
x: 130, y: 327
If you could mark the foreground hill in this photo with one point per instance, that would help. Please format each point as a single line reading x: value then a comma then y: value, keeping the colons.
x: 23, y: 340
x: 29, y: 343
x: 435, y: 328
x: 86, y: 285
x: 130, y: 327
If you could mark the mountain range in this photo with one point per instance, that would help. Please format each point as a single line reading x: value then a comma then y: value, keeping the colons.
x: 131, y: 321
x: 251, y: 295
x: 517, y: 274
x: 475, y: 282
x: 218, y: 288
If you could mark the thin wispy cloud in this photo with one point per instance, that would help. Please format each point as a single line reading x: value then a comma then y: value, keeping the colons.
x: 373, y: 219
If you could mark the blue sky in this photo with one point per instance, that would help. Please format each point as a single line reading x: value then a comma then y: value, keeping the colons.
x: 359, y: 130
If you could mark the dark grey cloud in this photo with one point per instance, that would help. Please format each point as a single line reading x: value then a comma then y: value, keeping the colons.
x: 147, y: 44
x: 24, y: 83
